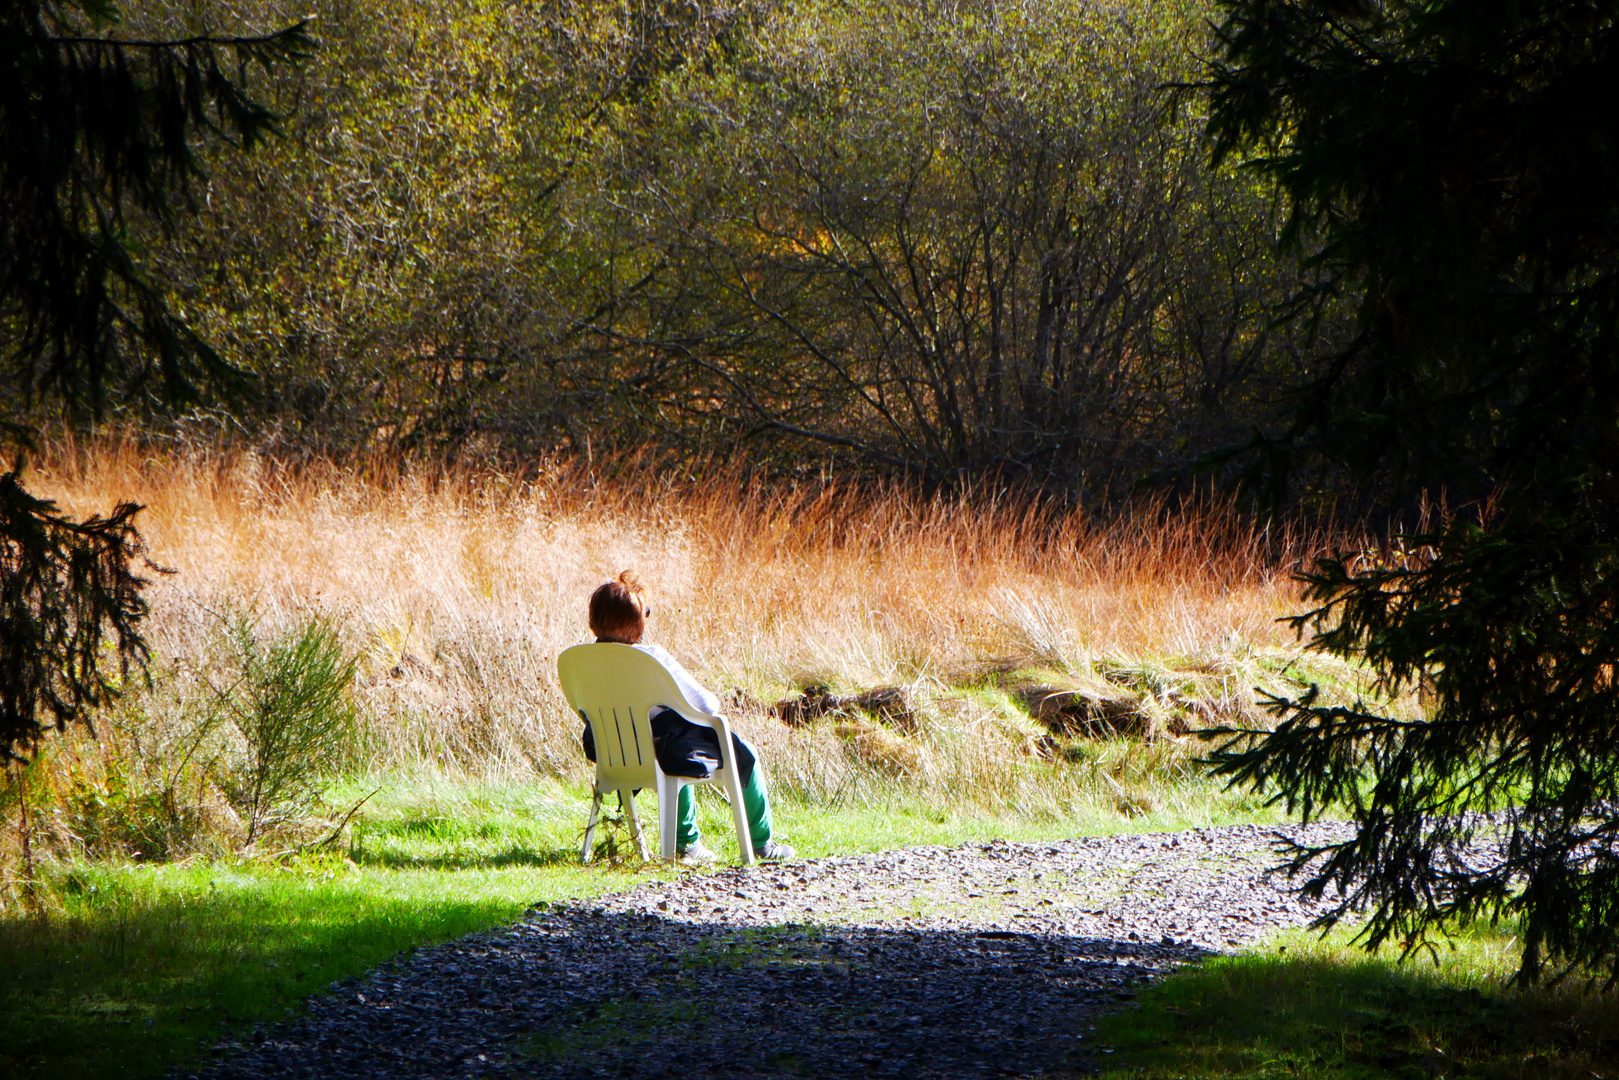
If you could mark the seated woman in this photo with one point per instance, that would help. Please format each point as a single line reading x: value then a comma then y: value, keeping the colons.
x: 618, y: 613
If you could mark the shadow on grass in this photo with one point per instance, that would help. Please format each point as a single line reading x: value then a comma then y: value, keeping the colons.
x: 1343, y: 1015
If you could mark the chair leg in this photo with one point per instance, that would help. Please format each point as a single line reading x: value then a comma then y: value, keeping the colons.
x: 668, y: 814
x: 731, y: 784
x: 627, y: 796
x: 590, y: 826
x: 739, y: 815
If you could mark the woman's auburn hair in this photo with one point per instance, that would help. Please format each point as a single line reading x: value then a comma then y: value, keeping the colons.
x: 616, y: 611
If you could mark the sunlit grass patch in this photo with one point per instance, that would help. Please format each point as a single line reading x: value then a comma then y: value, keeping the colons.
x: 135, y: 967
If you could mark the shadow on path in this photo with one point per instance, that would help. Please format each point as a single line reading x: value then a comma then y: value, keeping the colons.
x: 577, y: 991
x: 984, y: 960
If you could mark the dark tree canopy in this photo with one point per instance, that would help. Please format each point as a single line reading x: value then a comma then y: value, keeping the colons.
x: 98, y: 138
x: 1448, y: 167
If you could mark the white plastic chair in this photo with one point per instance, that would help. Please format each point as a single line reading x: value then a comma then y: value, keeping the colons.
x: 614, y: 687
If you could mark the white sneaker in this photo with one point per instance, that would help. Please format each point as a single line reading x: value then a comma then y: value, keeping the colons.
x: 774, y: 851
x: 697, y: 853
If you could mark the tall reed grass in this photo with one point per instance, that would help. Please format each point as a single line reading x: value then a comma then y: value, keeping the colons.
x: 456, y: 589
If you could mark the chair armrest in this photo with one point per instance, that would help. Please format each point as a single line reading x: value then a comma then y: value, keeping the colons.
x: 722, y: 727
x: 699, y: 717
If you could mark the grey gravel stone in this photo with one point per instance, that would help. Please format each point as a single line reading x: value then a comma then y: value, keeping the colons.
x: 977, y: 961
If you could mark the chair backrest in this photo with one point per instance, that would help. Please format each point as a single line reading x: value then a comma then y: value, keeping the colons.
x: 614, y: 687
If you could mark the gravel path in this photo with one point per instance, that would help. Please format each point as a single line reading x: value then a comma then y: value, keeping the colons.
x: 984, y: 960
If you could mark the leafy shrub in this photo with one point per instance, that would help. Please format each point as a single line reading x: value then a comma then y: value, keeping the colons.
x: 291, y: 706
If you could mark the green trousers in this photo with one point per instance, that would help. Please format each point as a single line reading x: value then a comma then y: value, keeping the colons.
x: 754, y: 801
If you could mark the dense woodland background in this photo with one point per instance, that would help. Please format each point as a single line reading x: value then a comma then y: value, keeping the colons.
x: 936, y: 238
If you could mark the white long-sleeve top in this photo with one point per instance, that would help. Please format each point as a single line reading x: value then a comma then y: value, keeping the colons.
x: 697, y: 696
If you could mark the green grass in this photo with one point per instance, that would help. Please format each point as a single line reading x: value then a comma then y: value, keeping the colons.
x: 138, y: 967
x: 1304, y: 1009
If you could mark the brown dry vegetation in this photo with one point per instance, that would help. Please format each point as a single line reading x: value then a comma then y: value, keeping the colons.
x: 458, y: 589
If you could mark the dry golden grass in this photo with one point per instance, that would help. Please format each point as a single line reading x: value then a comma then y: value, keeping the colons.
x: 459, y: 589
